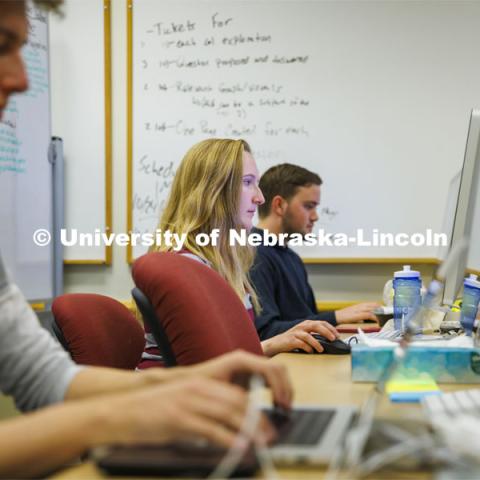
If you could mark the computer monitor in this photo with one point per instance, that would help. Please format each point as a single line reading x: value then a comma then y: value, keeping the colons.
x: 462, y: 226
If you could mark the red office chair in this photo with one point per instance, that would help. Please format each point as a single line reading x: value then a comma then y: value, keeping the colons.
x: 98, y: 330
x: 199, y: 312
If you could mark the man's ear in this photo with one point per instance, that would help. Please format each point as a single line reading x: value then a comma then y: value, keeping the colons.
x: 279, y: 205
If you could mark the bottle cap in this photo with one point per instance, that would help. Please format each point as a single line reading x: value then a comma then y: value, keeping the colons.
x: 407, y: 273
x: 472, y: 281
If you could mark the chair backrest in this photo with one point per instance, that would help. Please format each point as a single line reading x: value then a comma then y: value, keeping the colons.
x: 200, y: 313
x: 154, y: 326
x: 98, y: 330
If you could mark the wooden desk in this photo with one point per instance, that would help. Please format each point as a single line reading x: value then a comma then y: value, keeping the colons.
x: 318, y: 379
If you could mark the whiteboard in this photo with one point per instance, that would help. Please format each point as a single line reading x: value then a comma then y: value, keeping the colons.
x: 78, y: 117
x: 373, y: 96
x: 26, y: 174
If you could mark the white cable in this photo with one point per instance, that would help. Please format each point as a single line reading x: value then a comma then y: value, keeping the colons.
x: 395, y: 452
x: 261, y: 449
x: 241, y: 442
x: 236, y: 452
x: 425, y: 444
x: 334, y: 469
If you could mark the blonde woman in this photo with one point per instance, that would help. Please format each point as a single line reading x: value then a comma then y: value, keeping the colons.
x: 216, y: 187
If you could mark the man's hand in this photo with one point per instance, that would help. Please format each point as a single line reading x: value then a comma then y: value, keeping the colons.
x: 357, y: 313
x: 299, y: 337
x: 238, y: 366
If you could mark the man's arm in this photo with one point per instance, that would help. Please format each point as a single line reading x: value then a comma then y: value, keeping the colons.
x: 357, y: 313
x: 269, y: 321
x: 327, y: 316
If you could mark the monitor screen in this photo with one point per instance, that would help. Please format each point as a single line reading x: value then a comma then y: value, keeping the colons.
x: 467, y: 194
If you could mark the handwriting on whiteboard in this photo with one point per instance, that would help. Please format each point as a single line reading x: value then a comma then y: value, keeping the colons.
x: 210, y: 74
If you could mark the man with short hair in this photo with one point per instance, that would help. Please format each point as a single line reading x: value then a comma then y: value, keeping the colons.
x: 103, y: 405
x: 292, y: 195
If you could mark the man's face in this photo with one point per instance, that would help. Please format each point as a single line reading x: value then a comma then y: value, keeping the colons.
x: 13, y: 35
x: 301, y: 211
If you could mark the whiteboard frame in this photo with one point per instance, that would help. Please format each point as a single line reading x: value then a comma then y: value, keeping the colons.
x: 107, y: 66
x: 130, y: 258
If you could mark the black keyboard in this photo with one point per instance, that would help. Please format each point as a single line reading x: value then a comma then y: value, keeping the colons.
x: 300, y: 427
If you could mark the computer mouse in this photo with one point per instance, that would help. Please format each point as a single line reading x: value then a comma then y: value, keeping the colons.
x: 335, y: 347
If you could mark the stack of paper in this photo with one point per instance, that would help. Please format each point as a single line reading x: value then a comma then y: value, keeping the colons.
x: 404, y: 389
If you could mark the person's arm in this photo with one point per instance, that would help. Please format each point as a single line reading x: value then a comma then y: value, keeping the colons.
x: 357, y: 313
x: 232, y: 367
x: 92, y: 381
x: 34, y: 368
x: 40, y: 442
x: 327, y: 316
x: 36, y: 371
x: 300, y: 338
x: 269, y: 321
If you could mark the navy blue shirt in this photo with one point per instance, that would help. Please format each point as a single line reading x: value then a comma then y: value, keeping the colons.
x: 281, y: 282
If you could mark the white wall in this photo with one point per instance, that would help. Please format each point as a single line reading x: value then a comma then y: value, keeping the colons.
x: 337, y: 283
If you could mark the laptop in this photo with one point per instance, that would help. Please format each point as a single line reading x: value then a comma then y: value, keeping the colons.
x: 311, y: 434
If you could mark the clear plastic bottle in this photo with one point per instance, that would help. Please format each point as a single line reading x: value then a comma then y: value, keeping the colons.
x: 407, y: 285
x: 471, y: 298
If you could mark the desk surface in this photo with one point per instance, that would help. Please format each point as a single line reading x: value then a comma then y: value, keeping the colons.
x: 319, y: 379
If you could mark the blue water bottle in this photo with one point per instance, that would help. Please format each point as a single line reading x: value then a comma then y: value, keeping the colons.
x: 407, y: 287
x: 471, y: 298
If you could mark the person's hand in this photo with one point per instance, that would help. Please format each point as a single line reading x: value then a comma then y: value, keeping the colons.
x: 357, y: 313
x: 181, y: 410
x: 299, y: 337
x: 238, y: 366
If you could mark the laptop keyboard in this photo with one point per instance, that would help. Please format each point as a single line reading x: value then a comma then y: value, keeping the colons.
x: 300, y: 427
x: 385, y: 334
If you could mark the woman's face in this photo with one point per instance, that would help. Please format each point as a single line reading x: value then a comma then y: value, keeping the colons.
x: 250, y: 193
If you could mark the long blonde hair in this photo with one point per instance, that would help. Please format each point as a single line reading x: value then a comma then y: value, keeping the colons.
x: 205, y: 195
